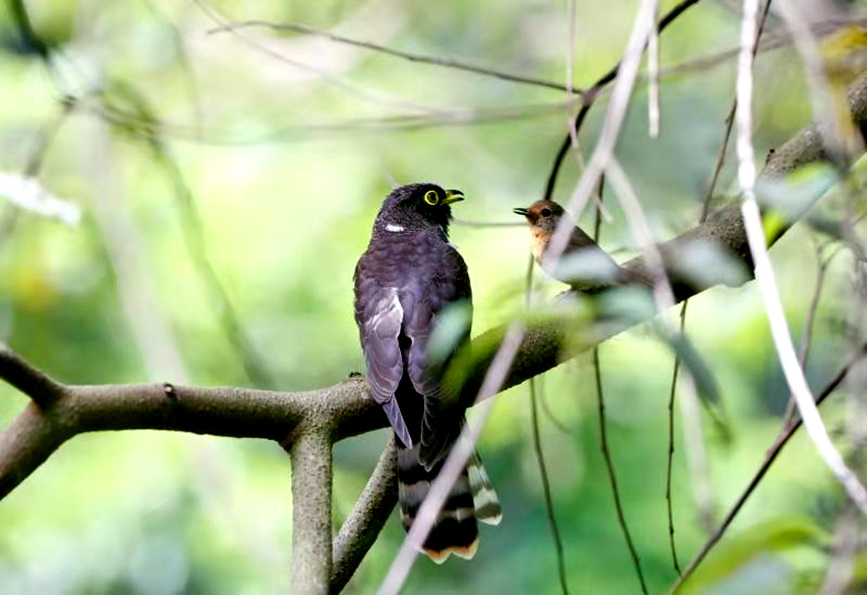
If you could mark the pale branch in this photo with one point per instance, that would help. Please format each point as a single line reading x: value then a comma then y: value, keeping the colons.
x: 412, y: 57
x: 361, y: 529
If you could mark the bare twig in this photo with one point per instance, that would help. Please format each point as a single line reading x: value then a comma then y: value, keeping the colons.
x: 297, y: 132
x: 770, y: 457
x: 592, y: 93
x: 765, y: 275
x: 809, y: 322
x: 612, y: 477
x: 468, y: 223
x: 653, y: 80
x: 611, y: 126
x: 537, y: 447
x: 603, y: 426
x: 137, y: 292
x: 194, y: 235
x: 669, y: 464
x: 412, y: 57
x: 546, y: 490
x: 339, y: 82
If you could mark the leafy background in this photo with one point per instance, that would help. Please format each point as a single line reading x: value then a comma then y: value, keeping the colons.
x: 286, y: 167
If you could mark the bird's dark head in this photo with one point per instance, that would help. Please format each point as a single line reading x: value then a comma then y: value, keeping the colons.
x: 418, y: 207
x: 542, y: 213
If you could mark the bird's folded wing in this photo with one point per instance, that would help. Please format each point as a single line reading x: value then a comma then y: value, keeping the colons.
x: 382, y: 317
x: 440, y: 427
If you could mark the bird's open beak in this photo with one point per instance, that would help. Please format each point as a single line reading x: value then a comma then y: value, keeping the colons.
x: 453, y: 196
x: 521, y: 211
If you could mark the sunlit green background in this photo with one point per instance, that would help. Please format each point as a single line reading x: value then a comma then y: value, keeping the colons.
x: 288, y: 144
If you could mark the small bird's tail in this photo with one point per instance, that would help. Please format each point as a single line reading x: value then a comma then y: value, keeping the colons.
x: 471, y: 498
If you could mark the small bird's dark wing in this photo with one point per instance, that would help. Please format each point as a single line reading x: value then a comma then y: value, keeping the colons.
x: 379, y: 315
x: 448, y: 283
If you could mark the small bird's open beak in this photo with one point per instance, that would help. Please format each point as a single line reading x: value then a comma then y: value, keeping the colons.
x: 521, y: 211
x: 453, y: 196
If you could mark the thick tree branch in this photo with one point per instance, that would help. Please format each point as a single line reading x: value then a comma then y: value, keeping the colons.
x: 311, y: 495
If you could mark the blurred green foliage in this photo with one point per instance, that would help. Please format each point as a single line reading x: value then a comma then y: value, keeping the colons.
x: 286, y: 166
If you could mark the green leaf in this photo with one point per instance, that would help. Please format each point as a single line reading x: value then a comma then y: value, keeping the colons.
x: 734, y: 553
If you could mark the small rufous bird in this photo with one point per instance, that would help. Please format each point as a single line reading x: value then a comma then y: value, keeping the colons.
x: 583, y: 264
x: 405, y: 280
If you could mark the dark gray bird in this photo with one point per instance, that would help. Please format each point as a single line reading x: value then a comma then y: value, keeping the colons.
x: 405, y: 280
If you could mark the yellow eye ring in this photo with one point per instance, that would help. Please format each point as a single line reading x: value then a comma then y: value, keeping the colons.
x: 431, y: 197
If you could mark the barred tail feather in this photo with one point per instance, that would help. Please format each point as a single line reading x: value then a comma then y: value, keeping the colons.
x: 485, y: 499
x: 455, y: 530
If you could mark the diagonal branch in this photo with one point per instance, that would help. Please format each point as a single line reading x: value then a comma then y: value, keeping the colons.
x: 770, y: 457
x: 362, y: 527
x: 32, y: 382
x: 412, y: 57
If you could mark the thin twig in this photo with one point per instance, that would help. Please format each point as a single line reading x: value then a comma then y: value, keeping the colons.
x: 593, y: 92
x: 412, y: 57
x: 612, y: 124
x: 468, y: 223
x: 807, y: 335
x: 546, y: 408
x: 540, y: 457
x: 603, y: 426
x: 297, y: 132
x: 612, y: 477
x: 669, y: 464
x: 339, y: 82
x: 771, y: 456
x: 653, y: 81
x: 194, y: 238
x: 546, y: 491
